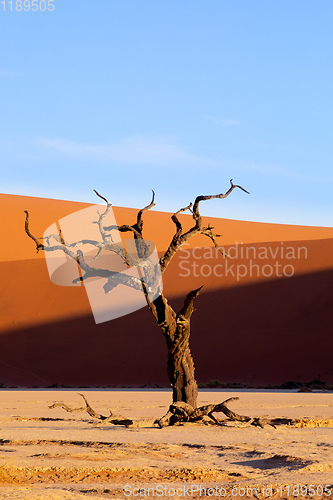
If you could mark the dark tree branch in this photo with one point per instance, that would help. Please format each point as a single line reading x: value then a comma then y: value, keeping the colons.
x: 78, y: 255
x: 183, y: 412
x: 139, y: 221
x: 61, y: 237
x: 136, y: 228
x: 102, y: 197
x: 179, y: 238
x: 188, y: 308
x: 113, y: 419
x: 176, y: 220
x: 125, y: 228
x: 46, y: 248
x: 208, y: 232
x: 196, y: 214
x: 114, y: 278
x: 39, y: 245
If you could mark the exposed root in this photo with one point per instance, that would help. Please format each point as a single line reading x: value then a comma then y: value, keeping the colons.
x: 183, y: 412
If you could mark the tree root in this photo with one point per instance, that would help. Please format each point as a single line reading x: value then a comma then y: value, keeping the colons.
x: 179, y: 412
x: 183, y: 412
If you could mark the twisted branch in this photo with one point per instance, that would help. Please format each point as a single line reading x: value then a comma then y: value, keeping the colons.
x: 102, y: 197
x: 176, y: 220
x: 139, y: 221
x: 180, y: 238
x: 39, y: 245
x: 196, y: 214
x: 113, y: 419
x: 136, y: 228
x: 183, y: 412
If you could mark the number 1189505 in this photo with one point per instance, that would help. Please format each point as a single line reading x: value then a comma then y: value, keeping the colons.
x: 33, y: 5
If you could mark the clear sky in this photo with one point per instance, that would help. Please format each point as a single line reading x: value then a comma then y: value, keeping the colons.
x: 179, y: 96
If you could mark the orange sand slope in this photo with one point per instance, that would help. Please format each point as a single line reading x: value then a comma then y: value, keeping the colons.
x: 158, y: 226
x: 253, y: 324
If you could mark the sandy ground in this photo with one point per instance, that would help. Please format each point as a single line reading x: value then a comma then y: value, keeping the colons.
x: 50, y: 454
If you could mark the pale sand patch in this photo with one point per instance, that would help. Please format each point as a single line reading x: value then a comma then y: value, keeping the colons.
x: 51, y: 454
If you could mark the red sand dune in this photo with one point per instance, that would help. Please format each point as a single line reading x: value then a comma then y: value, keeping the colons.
x: 258, y: 329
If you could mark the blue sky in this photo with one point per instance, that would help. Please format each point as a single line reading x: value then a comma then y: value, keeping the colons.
x: 176, y: 96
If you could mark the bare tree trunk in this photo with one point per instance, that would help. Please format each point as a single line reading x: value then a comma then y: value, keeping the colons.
x: 181, y: 376
x: 176, y: 329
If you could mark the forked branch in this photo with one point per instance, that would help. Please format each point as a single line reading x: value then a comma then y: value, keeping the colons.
x: 180, y: 238
x: 77, y: 255
x: 175, y: 219
x: 112, y: 419
x: 107, y: 238
x: 136, y: 228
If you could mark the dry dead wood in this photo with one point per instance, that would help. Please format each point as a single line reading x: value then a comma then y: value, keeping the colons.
x: 112, y: 419
x: 183, y: 412
x: 180, y: 238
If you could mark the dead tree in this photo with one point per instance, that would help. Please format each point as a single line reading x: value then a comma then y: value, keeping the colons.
x: 174, y: 325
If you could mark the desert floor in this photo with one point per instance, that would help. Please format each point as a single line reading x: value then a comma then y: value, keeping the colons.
x: 51, y: 454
